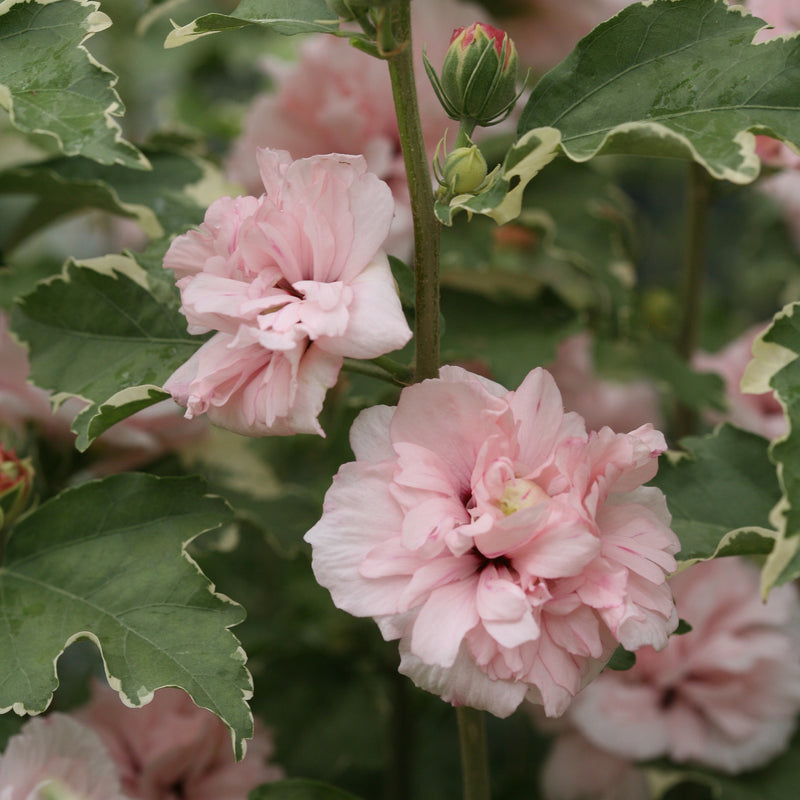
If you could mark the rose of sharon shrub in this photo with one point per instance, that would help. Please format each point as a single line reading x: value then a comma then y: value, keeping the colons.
x: 292, y: 281
x: 725, y: 695
x: 56, y: 756
x: 508, y: 550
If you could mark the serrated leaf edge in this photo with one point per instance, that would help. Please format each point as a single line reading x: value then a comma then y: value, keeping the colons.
x: 94, y: 22
x: 238, y: 654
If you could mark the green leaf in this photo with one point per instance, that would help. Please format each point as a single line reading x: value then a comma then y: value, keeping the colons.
x: 106, y: 561
x: 775, y: 367
x: 572, y: 235
x: 163, y: 200
x: 99, y: 332
x: 621, y: 660
x: 299, y: 789
x: 511, y: 340
x: 720, y: 493
x: 283, y: 16
x: 677, y: 78
x: 51, y: 85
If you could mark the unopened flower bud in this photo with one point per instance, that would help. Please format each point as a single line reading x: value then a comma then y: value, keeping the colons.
x: 464, y: 170
x: 478, y: 82
x: 16, y: 480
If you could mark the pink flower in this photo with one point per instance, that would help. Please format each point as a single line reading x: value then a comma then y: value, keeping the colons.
x: 621, y: 406
x: 759, y: 413
x: 507, y: 549
x: 724, y: 695
x: 578, y: 770
x: 782, y: 15
x: 292, y: 282
x: 170, y: 749
x: 337, y: 99
x: 57, y: 752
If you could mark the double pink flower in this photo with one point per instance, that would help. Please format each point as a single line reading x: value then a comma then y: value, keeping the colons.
x: 292, y: 282
x: 508, y: 550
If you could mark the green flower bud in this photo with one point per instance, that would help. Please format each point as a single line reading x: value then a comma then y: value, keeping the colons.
x: 478, y: 82
x: 16, y: 480
x: 464, y: 170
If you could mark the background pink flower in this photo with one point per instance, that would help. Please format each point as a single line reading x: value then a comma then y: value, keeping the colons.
x: 57, y: 752
x: 759, y: 413
x: 724, y: 695
x: 621, y: 406
x: 578, y: 770
x: 172, y: 750
x: 507, y: 549
x: 292, y: 281
x: 336, y: 99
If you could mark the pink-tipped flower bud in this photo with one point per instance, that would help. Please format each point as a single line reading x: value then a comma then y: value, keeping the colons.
x: 16, y: 481
x: 478, y: 82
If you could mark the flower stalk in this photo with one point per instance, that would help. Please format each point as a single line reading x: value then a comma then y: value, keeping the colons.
x: 692, y: 278
x: 426, y: 226
x: 474, y: 755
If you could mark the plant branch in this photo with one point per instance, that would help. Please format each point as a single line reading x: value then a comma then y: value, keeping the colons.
x: 426, y: 226
x: 474, y: 755
x: 691, y: 289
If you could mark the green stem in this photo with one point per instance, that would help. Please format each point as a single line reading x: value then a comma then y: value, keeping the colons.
x: 691, y: 290
x: 382, y: 368
x: 465, y: 129
x: 474, y: 755
x: 426, y: 226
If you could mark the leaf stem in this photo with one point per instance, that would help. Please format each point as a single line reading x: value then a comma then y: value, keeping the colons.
x: 474, y: 753
x: 691, y: 289
x: 426, y: 226
x: 382, y: 368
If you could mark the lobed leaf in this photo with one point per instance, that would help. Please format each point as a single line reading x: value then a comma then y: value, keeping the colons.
x: 720, y: 493
x: 106, y: 561
x: 775, y: 367
x: 100, y: 332
x: 163, y: 200
x: 283, y: 16
x: 51, y: 85
x: 676, y: 78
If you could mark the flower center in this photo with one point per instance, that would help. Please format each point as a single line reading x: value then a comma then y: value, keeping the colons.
x: 520, y: 493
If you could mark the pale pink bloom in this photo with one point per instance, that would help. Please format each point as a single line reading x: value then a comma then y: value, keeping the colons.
x: 546, y: 31
x: 578, y: 770
x: 759, y: 413
x: 338, y: 99
x: 782, y: 15
x: 621, y: 406
x: 57, y: 752
x: 507, y: 549
x: 292, y: 281
x: 170, y: 749
x: 724, y: 695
